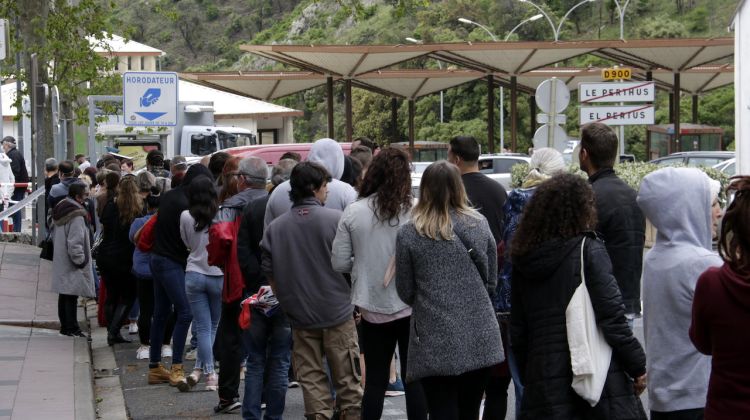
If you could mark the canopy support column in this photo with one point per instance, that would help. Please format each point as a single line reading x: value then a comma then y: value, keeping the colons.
x: 677, y: 112
x: 695, y: 109
x: 348, y: 110
x: 411, y: 128
x: 532, y: 116
x: 491, y: 113
x: 514, y: 113
x: 394, y: 120
x: 329, y: 101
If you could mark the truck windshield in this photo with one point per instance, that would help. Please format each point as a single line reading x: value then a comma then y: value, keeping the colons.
x: 201, y: 145
x: 228, y: 140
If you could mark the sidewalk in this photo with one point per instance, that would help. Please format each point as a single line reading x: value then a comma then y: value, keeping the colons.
x: 42, y: 374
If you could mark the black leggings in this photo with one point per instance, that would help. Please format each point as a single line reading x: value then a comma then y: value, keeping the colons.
x: 146, y: 300
x: 67, y: 307
x: 379, y: 343
x: 455, y: 397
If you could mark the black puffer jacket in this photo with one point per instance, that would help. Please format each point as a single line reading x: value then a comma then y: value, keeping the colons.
x: 543, y: 283
x: 621, y: 226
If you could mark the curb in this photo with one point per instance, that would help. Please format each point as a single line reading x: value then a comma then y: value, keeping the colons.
x: 43, y: 324
x: 110, y: 401
x: 83, y: 378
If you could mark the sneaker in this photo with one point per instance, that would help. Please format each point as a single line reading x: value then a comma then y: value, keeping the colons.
x: 143, y: 352
x: 212, y: 382
x: 194, y: 377
x: 191, y: 354
x: 293, y: 384
x: 158, y: 375
x: 395, y: 389
x: 166, y: 351
x: 133, y: 328
x: 79, y: 333
x: 227, y: 406
x: 177, y: 378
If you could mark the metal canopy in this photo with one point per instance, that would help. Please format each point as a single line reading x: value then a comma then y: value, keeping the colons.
x: 264, y: 85
x: 412, y: 84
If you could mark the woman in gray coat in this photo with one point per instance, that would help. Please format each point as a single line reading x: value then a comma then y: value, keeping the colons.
x: 71, y: 261
x: 446, y: 261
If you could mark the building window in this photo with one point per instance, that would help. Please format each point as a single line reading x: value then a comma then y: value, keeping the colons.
x: 143, y: 63
x: 130, y: 63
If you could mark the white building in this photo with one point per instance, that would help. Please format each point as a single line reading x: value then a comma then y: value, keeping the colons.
x: 741, y: 27
x: 131, y: 55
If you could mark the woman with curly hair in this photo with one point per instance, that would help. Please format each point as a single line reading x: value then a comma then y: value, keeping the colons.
x: 720, y: 312
x: 446, y: 265
x: 229, y: 183
x: 115, y: 260
x: 547, y: 252
x: 364, y: 246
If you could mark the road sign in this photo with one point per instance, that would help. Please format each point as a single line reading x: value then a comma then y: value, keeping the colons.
x: 616, y: 92
x: 150, y: 98
x: 619, y: 73
x: 550, y: 136
x: 552, y: 96
x: 545, y: 119
x: 618, y: 115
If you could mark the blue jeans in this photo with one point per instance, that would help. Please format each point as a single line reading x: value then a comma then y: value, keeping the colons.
x: 268, y: 342
x: 18, y: 195
x: 204, y: 295
x: 169, y: 289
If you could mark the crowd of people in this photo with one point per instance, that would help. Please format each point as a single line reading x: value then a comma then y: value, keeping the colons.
x: 332, y: 270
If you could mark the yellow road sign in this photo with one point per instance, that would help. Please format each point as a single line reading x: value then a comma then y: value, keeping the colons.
x: 622, y: 73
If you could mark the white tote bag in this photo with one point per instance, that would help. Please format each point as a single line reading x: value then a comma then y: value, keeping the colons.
x: 589, y: 352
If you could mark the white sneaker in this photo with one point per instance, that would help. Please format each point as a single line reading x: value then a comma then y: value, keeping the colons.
x: 143, y: 352
x: 166, y: 351
x: 194, y: 377
x: 133, y: 328
x: 191, y: 354
x: 212, y: 382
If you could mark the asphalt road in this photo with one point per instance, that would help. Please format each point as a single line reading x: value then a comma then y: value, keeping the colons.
x: 146, y: 402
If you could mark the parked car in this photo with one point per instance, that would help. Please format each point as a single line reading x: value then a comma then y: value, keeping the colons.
x: 700, y: 158
x: 497, y: 166
x: 729, y: 167
x: 271, y: 153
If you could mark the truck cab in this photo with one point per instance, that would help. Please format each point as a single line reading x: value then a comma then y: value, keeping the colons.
x: 199, y: 140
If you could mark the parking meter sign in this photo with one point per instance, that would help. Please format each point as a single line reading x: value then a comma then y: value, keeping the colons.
x: 150, y: 98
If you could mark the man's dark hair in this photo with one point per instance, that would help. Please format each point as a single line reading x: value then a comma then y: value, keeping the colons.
x: 127, y: 162
x: 465, y: 147
x: 306, y: 178
x: 155, y: 158
x: 66, y: 168
x: 291, y: 155
x: 75, y: 189
x: 600, y: 143
x: 367, y: 142
x: 80, y: 155
x: 216, y: 163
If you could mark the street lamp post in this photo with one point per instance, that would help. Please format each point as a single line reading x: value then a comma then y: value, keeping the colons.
x: 556, y: 30
x: 440, y: 66
x: 621, y: 14
x: 502, y: 92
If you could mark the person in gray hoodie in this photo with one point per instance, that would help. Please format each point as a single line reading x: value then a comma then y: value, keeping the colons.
x: 330, y: 155
x: 677, y: 201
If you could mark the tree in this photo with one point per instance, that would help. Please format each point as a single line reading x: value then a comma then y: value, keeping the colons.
x: 63, y: 34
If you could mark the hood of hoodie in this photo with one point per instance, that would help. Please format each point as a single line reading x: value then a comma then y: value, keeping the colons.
x: 328, y: 153
x: 542, y: 262
x: 66, y: 210
x: 4, y: 159
x: 677, y: 201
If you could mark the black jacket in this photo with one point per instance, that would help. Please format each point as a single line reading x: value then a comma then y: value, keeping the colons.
x: 543, y: 283
x: 248, y: 244
x: 621, y: 226
x: 18, y: 166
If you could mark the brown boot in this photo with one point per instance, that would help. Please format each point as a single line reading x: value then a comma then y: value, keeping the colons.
x: 351, y: 413
x: 158, y: 375
x: 177, y: 378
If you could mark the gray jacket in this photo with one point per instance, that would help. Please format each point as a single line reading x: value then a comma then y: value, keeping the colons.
x: 677, y: 201
x: 296, y: 254
x: 71, y: 261
x: 453, y: 324
x: 364, y: 247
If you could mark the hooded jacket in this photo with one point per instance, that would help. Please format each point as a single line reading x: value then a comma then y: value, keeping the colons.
x: 71, y: 261
x: 677, y: 201
x: 18, y: 165
x: 222, y: 241
x: 719, y: 329
x: 328, y: 153
x: 543, y: 282
x: 6, y: 176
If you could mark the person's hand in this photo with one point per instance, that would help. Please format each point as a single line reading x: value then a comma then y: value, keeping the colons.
x: 639, y: 385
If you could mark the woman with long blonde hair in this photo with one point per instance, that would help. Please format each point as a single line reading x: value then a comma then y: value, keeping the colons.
x: 115, y: 259
x: 446, y: 266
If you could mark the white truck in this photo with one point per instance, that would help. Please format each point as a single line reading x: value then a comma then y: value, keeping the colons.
x: 194, y: 136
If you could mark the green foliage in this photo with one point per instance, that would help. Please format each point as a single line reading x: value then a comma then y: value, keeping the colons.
x: 697, y: 20
x: 662, y: 27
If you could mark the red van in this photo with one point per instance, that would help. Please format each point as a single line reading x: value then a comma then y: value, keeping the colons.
x: 271, y: 153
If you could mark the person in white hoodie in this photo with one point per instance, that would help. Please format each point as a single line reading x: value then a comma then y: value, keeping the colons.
x: 678, y: 203
x: 6, y: 178
x: 327, y: 152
